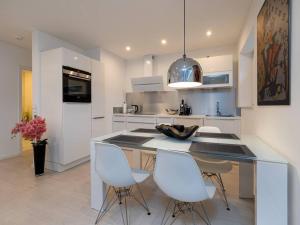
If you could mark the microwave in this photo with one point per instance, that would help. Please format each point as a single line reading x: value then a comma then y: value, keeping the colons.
x: 76, y: 85
x: 218, y: 79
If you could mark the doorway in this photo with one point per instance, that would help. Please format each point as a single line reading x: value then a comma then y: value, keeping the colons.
x: 26, y: 103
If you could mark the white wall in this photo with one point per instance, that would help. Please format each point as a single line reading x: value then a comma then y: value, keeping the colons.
x: 279, y: 125
x: 114, y: 71
x: 12, y: 60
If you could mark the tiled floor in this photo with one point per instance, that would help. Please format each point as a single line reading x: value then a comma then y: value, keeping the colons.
x: 64, y: 199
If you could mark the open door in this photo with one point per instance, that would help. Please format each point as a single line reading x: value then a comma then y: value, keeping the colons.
x: 26, y: 113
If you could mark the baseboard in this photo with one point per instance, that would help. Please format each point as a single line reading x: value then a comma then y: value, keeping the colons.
x: 8, y: 156
x: 62, y: 167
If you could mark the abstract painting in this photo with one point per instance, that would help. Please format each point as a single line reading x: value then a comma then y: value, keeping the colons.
x: 273, y: 68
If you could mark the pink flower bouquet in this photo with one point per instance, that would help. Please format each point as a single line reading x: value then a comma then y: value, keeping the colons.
x: 32, y: 130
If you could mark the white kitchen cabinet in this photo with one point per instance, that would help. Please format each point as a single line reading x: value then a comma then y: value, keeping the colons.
x: 76, y: 60
x: 226, y: 125
x: 98, y: 89
x: 216, y: 63
x: 118, y: 126
x: 98, y: 126
x: 76, y: 132
x: 142, y: 119
x: 135, y: 122
x: 119, y: 122
x: 188, y: 121
x: 164, y: 120
x: 133, y: 126
x: 68, y: 124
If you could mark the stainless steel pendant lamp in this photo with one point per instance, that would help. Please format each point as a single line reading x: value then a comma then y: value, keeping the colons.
x: 184, y: 72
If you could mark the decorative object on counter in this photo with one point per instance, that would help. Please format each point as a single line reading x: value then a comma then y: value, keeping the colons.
x: 184, y: 109
x: 172, y: 111
x: 273, y: 53
x: 184, y: 72
x: 33, y: 131
x: 177, y: 131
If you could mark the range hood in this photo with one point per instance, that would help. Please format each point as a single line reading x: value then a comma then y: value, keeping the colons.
x: 148, y: 82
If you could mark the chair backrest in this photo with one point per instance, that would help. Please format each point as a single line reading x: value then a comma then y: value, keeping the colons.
x: 112, y: 165
x: 209, y: 129
x: 179, y: 177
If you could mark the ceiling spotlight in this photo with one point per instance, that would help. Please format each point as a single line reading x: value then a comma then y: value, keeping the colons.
x: 148, y: 62
x: 163, y: 41
x: 128, y: 48
x: 208, y: 33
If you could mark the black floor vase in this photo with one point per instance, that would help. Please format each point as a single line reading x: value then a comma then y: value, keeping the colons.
x: 39, y: 151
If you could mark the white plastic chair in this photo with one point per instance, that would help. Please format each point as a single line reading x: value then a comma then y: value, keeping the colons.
x: 151, y: 156
x: 213, y: 168
x: 179, y: 177
x: 113, y: 168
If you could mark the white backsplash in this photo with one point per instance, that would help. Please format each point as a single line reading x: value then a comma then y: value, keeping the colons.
x: 203, y: 102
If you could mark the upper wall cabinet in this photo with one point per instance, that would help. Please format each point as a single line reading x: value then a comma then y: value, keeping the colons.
x: 75, y: 60
x: 216, y: 64
x: 217, y: 71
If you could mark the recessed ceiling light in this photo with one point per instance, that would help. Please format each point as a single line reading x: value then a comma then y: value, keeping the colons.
x: 128, y: 48
x: 148, y: 62
x: 163, y: 41
x: 208, y: 33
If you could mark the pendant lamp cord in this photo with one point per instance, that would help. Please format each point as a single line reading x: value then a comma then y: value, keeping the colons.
x: 184, y: 55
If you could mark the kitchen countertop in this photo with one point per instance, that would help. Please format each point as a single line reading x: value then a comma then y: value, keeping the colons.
x: 178, y: 116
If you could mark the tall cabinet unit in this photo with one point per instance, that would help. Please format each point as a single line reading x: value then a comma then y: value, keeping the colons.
x: 98, y: 99
x: 69, y: 125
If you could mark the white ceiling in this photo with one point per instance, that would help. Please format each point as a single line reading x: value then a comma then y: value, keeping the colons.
x: 113, y: 24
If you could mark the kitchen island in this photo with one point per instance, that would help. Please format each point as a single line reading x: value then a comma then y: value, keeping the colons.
x: 270, y: 191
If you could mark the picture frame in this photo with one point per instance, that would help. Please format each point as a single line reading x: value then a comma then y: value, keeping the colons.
x: 273, y: 53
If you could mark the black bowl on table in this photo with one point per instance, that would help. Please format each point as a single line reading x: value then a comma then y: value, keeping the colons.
x: 177, y: 131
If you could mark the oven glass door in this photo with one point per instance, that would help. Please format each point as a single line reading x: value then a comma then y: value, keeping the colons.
x: 76, y: 89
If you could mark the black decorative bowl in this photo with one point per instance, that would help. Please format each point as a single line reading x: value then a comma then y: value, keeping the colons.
x: 177, y: 131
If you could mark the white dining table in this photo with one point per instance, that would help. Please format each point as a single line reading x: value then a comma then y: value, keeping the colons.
x: 269, y: 186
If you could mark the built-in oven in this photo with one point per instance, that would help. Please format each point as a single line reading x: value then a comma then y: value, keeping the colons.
x: 76, y: 85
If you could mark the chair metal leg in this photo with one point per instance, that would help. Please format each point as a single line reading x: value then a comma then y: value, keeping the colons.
x: 150, y: 162
x: 147, y: 162
x: 165, y: 213
x: 102, y: 206
x: 121, y: 194
x: 126, y: 213
x: 220, y: 181
x: 109, y: 205
x: 193, y: 217
x: 122, y: 215
x: 144, y: 204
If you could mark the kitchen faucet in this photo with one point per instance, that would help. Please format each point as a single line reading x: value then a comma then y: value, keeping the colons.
x: 218, y: 109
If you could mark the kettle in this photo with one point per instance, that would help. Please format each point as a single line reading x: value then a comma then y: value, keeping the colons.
x: 135, y: 108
